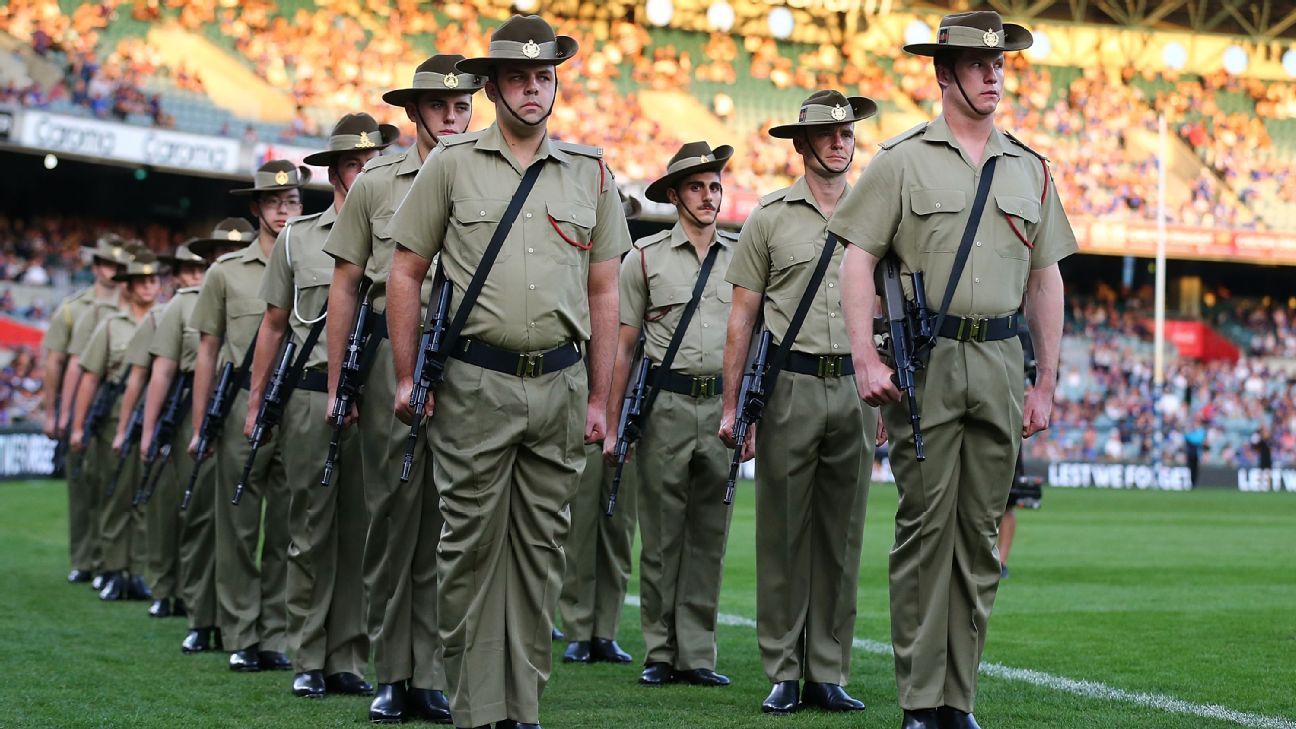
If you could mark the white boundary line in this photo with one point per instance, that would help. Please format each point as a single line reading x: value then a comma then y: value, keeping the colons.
x: 1086, y: 689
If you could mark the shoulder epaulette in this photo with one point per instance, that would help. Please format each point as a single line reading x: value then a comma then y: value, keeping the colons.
x: 893, y: 141
x: 729, y: 234
x: 188, y: 290
x: 648, y: 240
x: 229, y: 256
x: 774, y: 197
x: 1023, y: 145
x: 302, y: 218
x: 384, y: 160
x: 582, y: 149
x: 451, y: 140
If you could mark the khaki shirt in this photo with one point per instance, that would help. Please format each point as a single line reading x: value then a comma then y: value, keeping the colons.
x: 776, y: 255
x: 657, y: 280
x: 175, y: 338
x: 229, y: 304
x: 536, y: 297
x: 105, y: 352
x: 297, y: 278
x: 91, y: 316
x: 137, y: 351
x: 360, y: 234
x: 915, y: 199
x: 59, y: 334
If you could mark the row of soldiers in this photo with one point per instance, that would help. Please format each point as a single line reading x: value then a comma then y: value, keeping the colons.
x: 473, y: 462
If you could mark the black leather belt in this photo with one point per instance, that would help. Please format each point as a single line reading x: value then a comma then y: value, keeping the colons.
x: 518, y: 364
x: 378, y: 324
x: 682, y: 384
x: 979, y: 329
x: 314, y: 380
x: 819, y: 365
x: 245, y: 382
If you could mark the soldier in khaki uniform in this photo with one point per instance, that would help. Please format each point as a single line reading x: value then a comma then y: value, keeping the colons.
x: 598, y: 548
x: 252, y: 612
x: 105, y: 261
x: 680, y: 463
x: 174, y: 349
x: 814, y: 445
x: 400, y: 549
x: 915, y: 201
x: 120, y: 524
x: 513, y: 415
x: 326, y: 632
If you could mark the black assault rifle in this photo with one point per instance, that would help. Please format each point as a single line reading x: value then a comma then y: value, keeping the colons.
x: 218, y: 406
x: 908, y: 338
x: 429, y: 369
x: 105, y: 396
x: 350, y: 379
x: 752, y: 394
x: 629, y: 429
x: 134, y: 428
x: 164, y: 431
x: 268, y: 414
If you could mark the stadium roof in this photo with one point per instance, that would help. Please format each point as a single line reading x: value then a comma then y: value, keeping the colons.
x: 1261, y: 20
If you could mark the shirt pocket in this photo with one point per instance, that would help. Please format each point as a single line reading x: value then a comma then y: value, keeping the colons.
x: 792, y: 254
x: 383, y: 245
x: 724, y: 292
x: 1022, y: 215
x: 573, y: 224
x: 939, y: 228
x: 308, y: 277
x: 667, y: 303
x: 244, y: 318
x: 475, y: 221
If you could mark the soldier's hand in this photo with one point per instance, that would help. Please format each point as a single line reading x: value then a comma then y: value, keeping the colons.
x: 118, y: 439
x: 1037, y: 411
x: 249, y: 423
x: 727, y: 428
x: 609, y: 449
x: 749, y: 445
x: 75, y: 442
x: 51, y: 427
x: 146, y: 442
x: 881, y: 434
x: 876, y: 385
x: 402, y: 404
x: 595, y: 423
x: 352, y: 414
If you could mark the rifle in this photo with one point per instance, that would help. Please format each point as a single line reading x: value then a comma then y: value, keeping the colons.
x: 429, y: 369
x: 105, y: 396
x: 268, y: 415
x: 163, y: 433
x: 629, y: 429
x: 751, y: 406
x: 350, y: 379
x: 908, y: 338
x: 134, y: 426
x: 218, y: 406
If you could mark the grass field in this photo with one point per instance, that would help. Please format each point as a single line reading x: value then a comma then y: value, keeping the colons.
x: 1190, y: 596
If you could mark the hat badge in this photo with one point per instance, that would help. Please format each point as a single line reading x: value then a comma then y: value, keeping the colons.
x: 991, y: 39
x: 116, y: 251
x: 281, y: 178
x: 838, y: 112
x: 530, y: 49
x: 233, y: 235
x: 147, y: 270
x: 365, y: 142
x: 706, y: 158
x: 451, y: 81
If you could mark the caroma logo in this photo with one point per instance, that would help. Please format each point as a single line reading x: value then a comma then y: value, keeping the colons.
x: 70, y: 138
x: 175, y: 153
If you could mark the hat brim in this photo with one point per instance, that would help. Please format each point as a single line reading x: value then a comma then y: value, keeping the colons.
x: 862, y: 108
x: 656, y: 191
x: 410, y: 95
x: 326, y: 157
x: 123, y: 277
x: 1016, y: 38
x: 97, y: 256
x: 303, y: 173
x: 567, y: 48
x: 204, y: 246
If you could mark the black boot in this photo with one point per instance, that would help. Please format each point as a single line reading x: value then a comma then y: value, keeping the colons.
x: 702, y: 677
x: 388, y: 706
x: 274, y: 661
x: 199, y: 640
x: 607, y: 651
x: 578, y: 651
x: 348, y: 684
x: 829, y: 697
x: 657, y: 674
x: 783, y: 698
x: 429, y: 704
x: 79, y: 576
x: 160, y: 609
x: 308, y: 685
x: 245, y: 661
x: 919, y: 719
x: 137, y: 589
x: 951, y: 718
x: 178, y: 609
x: 114, y: 587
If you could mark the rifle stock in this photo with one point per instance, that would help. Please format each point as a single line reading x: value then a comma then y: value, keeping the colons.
x: 269, y: 413
x: 350, y: 380
x: 630, y: 427
x: 164, y: 431
x: 752, y: 395
x: 218, y: 406
x: 429, y: 369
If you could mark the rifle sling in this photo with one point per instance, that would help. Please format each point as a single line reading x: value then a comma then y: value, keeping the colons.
x: 964, y: 249
x: 779, y: 358
x: 312, y: 338
x: 677, y: 338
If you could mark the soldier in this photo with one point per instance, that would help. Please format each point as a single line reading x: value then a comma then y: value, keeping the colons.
x: 921, y: 200
x: 105, y: 261
x: 598, y: 549
x: 404, y: 526
x: 812, y: 462
x: 326, y: 632
x: 103, y: 358
x: 507, y: 440
x: 680, y: 464
x: 252, y: 613
x: 175, y: 350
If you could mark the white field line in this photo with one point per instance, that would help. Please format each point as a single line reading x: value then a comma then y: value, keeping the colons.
x: 1086, y: 689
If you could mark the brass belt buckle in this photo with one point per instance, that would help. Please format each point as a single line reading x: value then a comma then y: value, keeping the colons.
x: 830, y: 366
x: 530, y: 365
x: 702, y: 387
x: 976, y: 332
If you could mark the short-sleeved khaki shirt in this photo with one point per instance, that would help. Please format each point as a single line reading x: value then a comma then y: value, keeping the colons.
x: 657, y: 280
x: 776, y: 255
x: 105, y: 351
x: 59, y: 334
x: 137, y: 351
x: 229, y: 304
x: 916, y: 196
x: 175, y: 338
x: 536, y: 297
x: 298, y: 276
x: 360, y: 235
x: 91, y: 316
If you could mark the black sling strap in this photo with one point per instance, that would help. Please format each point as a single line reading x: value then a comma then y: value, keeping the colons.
x: 779, y: 358
x: 678, y: 337
x: 312, y: 339
x: 488, y: 258
x: 964, y: 249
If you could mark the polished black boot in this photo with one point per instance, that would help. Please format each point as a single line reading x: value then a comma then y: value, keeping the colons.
x: 607, y: 651
x: 657, y: 674
x: 919, y: 719
x: 199, y: 640
x: 178, y: 609
x: 702, y: 677
x: 137, y: 589
x: 430, y: 705
x: 76, y: 576
x: 348, y: 684
x: 274, y: 661
x: 510, y: 724
x: 388, y: 706
x: 308, y: 685
x: 951, y: 718
x: 829, y: 697
x: 578, y: 651
x: 245, y: 661
x: 114, y: 587
x: 783, y: 698
x: 557, y: 635
x: 160, y: 609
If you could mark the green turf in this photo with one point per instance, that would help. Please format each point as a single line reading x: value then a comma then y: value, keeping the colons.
x: 1188, y: 595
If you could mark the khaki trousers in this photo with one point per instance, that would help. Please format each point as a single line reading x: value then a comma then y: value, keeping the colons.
x: 197, y: 528
x: 122, y: 537
x: 597, y: 551
x: 83, y: 512
x: 164, y: 522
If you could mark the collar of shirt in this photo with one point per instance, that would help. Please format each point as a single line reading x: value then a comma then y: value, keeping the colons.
x: 411, y: 164
x: 329, y: 216
x: 680, y: 238
x: 997, y: 144
x: 492, y: 140
x: 253, y: 253
x: 800, y: 192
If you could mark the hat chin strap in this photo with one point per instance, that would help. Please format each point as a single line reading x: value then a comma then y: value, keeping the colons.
x: 543, y: 118
x: 971, y: 106
x: 823, y: 164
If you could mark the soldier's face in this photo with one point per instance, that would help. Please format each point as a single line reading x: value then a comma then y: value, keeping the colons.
x: 701, y: 194
x: 144, y: 289
x: 981, y: 76
x: 189, y: 276
x: 528, y: 90
x: 441, y: 115
x: 104, y: 272
x: 827, y: 149
x: 348, y: 167
x: 276, y: 208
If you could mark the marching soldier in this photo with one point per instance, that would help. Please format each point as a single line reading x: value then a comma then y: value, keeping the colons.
x: 812, y: 461
x: 508, y: 435
x: 174, y: 349
x: 103, y: 359
x: 400, y: 548
x: 252, y: 612
x: 977, y: 212
x: 680, y: 463
x: 326, y: 631
x: 61, y: 375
